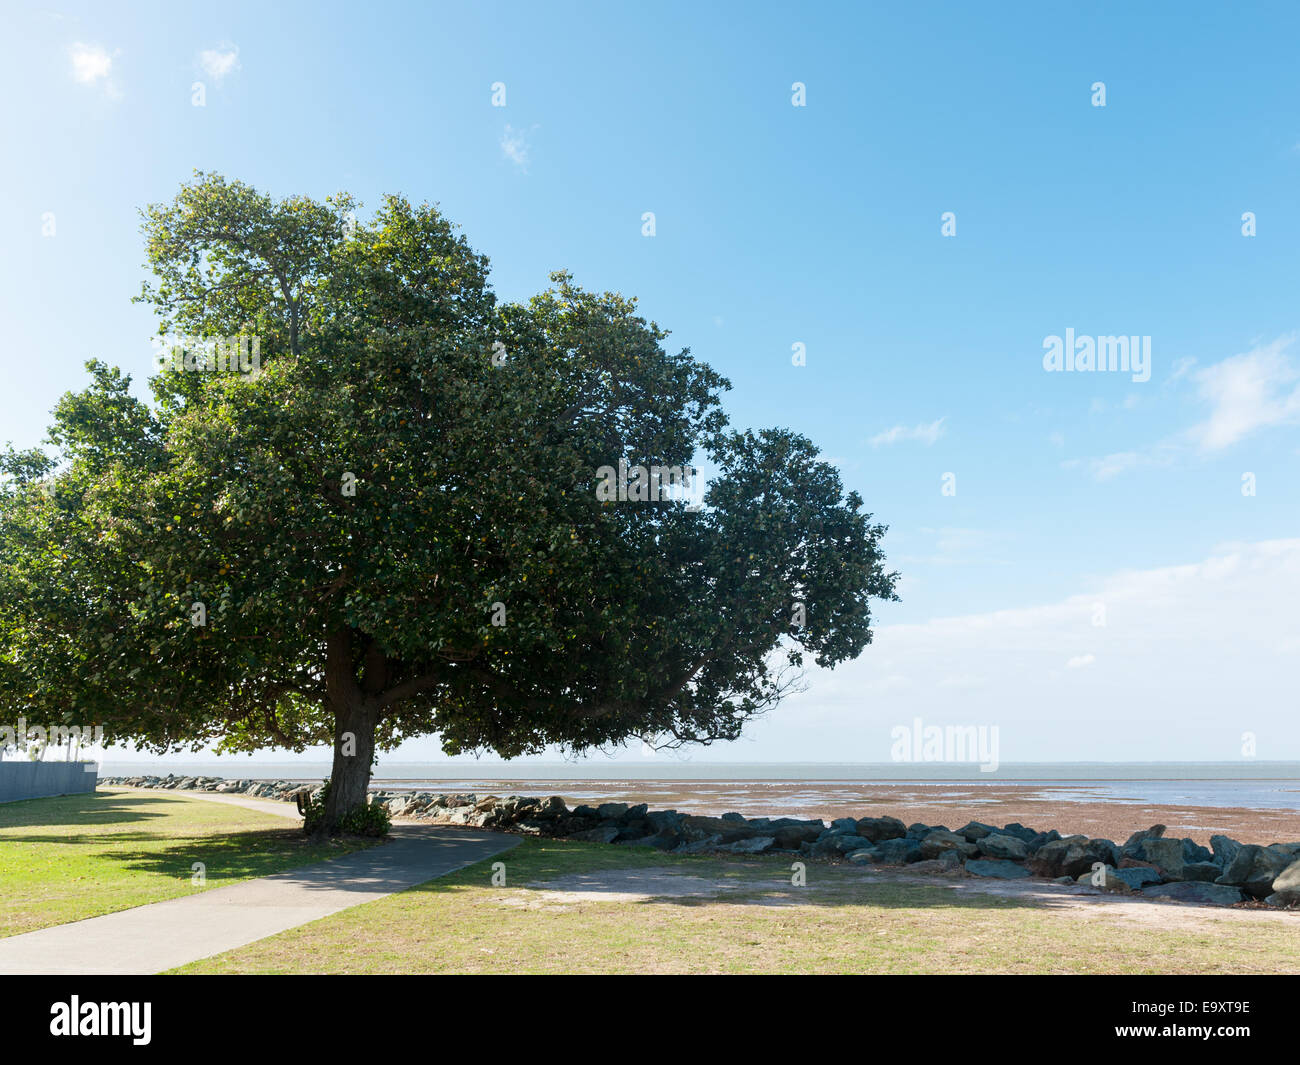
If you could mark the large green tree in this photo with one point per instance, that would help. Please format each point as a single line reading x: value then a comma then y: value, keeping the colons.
x: 390, y: 521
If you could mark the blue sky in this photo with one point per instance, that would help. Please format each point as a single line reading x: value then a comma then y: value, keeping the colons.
x: 818, y: 225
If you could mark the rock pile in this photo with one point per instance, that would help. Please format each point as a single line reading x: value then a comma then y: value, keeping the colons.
x: 1147, y: 863
x: 284, y: 790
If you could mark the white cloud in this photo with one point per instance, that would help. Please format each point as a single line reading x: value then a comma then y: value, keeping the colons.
x: 92, y: 65
x: 1189, y: 657
x: 515, y: 147
x: 1258, y: 389
x: 926, y: 434
x: 1104, y: 467
x: 90, y: 62
x: 1254, y: 390
x: 217, y: 63
x: 1108, y: 466
x: 950, y: 546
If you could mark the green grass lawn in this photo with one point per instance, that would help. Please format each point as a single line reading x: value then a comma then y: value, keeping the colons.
x: 78, y: 856
x: 587, y: 908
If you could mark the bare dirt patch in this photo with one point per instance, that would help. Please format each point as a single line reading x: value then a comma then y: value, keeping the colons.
x: 1093, y: 903
x: 625, y: 885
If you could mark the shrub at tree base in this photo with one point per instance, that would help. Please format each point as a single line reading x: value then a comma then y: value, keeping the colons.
x: 363, y: 819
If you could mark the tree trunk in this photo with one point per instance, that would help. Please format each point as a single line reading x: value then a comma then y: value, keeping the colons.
x: 354, y: 735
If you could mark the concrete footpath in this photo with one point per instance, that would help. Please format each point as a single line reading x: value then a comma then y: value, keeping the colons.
x: 163, y: 935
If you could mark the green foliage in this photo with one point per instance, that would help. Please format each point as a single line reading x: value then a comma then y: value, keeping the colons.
x: 474, y: 485
x: 364, y: 819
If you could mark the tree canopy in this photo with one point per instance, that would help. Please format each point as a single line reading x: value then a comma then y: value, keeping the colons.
x: 387, y: 523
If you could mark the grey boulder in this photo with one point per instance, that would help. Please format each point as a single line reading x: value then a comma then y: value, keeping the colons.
x: 1025, y: 835
x: 940, y: 839
x: 896, y: 851
x: 1286, y: 886
x: 998, y: 845
x: 1000, y: 870
x: 875, y: 829
x: 753, y: 845
x: 1253, y: 870
x: 699, y: 846
x: 1104, y: 878
x: 1168, y: 854
x: 1225, y: 849
x: 1070, y: 856
x: 1194, y: 891
x: 948, y: 862
x: 1130, y: 848
x: 599, y: 834
x: 791, y: 837
x: 1136, y: 877
x: 1202, y: 871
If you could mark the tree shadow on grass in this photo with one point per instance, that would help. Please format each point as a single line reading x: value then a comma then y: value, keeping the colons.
x: 91, y: 810
x: 234, y: 856
x: 250, y: 852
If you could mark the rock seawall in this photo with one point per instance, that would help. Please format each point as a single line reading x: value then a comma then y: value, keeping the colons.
x: 1147, y: 863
